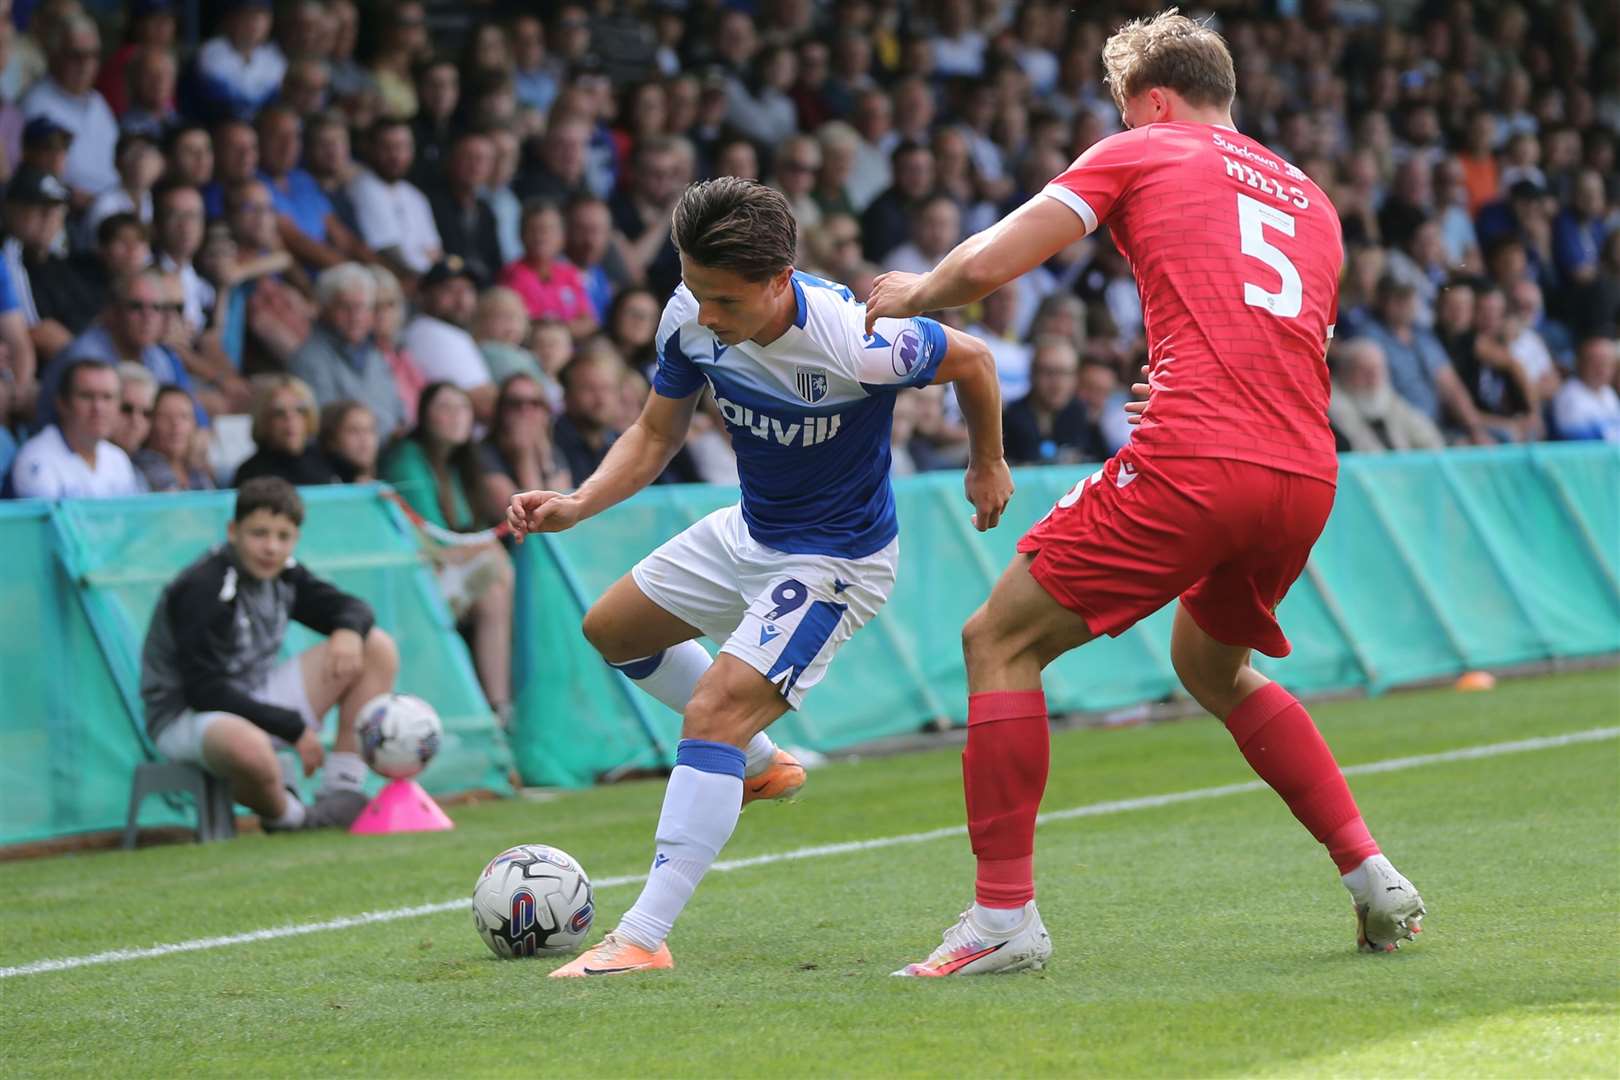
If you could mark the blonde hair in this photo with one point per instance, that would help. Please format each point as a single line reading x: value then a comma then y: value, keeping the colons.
x: 265, y: 389
x: 1171, y: 51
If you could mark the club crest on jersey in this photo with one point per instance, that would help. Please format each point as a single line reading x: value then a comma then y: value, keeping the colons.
x: 908, y: 347
x: 812, y: 385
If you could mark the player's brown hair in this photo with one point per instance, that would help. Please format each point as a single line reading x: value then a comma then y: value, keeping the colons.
x: 1171, y: 51
x: 736, y: 225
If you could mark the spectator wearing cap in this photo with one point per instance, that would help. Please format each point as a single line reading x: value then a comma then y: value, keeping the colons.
x: 438, y: 337
x: 309, y: 226
x: 140, y: 163
x: 68, y: 96
x: 74, y: 457
x: 464, y: 218
x: 35, y: 210
x: 45, y: 145
x: 149, y: 27
x: 1587, y: 406
x: 129, y: 329
x: 396, y: 219
x: 150, y: 111
x: 340, y: 362
x: 239, y: 70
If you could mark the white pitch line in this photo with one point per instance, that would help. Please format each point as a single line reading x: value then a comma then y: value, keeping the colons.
x: 1117, y: 806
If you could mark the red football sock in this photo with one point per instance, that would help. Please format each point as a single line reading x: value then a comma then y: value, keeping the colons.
x: 1281, y: 743
x: 1004, y: 775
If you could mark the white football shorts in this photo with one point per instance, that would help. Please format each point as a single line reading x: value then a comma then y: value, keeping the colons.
x: 784, y: 615
x: 284, y: 687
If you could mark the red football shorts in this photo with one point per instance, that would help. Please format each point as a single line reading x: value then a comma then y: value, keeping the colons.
x: 1227, y: 537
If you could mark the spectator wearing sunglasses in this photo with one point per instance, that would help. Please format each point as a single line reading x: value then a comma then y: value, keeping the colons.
x: 137, y: 394
x: 130, y: 329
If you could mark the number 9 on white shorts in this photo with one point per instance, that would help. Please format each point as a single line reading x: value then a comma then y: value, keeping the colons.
x: 784, y: 615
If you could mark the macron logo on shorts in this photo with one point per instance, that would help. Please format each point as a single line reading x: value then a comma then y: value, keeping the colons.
x: 1126, y: 474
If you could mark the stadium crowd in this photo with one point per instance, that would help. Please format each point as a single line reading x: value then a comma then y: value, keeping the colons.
x: 429, y: 242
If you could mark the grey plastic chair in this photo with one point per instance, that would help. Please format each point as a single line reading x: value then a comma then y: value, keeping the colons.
x: 216, y: 819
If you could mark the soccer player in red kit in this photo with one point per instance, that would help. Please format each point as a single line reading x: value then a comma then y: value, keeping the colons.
x: 1217, y: 499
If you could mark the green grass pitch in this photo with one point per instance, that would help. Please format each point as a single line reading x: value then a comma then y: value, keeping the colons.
x: 1203, y: 938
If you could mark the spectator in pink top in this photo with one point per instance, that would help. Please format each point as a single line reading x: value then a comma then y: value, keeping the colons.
x: 551, y: 287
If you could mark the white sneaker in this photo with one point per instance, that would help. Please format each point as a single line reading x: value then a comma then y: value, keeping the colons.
x: 970, y: 949
x: 1388, y: 907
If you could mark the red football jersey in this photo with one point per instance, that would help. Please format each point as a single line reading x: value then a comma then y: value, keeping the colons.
x: 1236, y: 255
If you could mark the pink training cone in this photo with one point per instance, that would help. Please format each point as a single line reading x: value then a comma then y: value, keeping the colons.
x: 401, y: 806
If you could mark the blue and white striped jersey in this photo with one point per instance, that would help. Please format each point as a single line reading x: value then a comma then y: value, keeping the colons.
x: 809, y: 414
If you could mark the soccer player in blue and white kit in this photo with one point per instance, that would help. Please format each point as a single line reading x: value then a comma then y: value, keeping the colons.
x: 786, y: 576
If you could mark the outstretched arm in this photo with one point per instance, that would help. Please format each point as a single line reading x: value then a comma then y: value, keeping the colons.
x: 981, y: 264
x: 970, y: 365
x: 633, y: 461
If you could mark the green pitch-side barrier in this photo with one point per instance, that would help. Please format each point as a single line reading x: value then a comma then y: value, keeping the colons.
x: 77, y: 587
x: 1431, y: 565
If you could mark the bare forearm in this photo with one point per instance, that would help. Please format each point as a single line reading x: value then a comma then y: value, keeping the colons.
x: 632, y: 462
x: 960, y: 278
x: 1010, y: 248
x: 979, y: 395
x: 306, y: 249
x: 1454, y: 395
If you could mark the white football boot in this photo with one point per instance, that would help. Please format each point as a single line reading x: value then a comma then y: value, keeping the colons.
x: 970, y: 949
x: 1388, y: 907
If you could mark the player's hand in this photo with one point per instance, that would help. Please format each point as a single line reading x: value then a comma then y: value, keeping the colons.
x: 1134, y: 409
x: 343, y: 655
x: 989, y: 487
x: 891, y: 298
x: 310, y: 750
x: 541, y: 511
